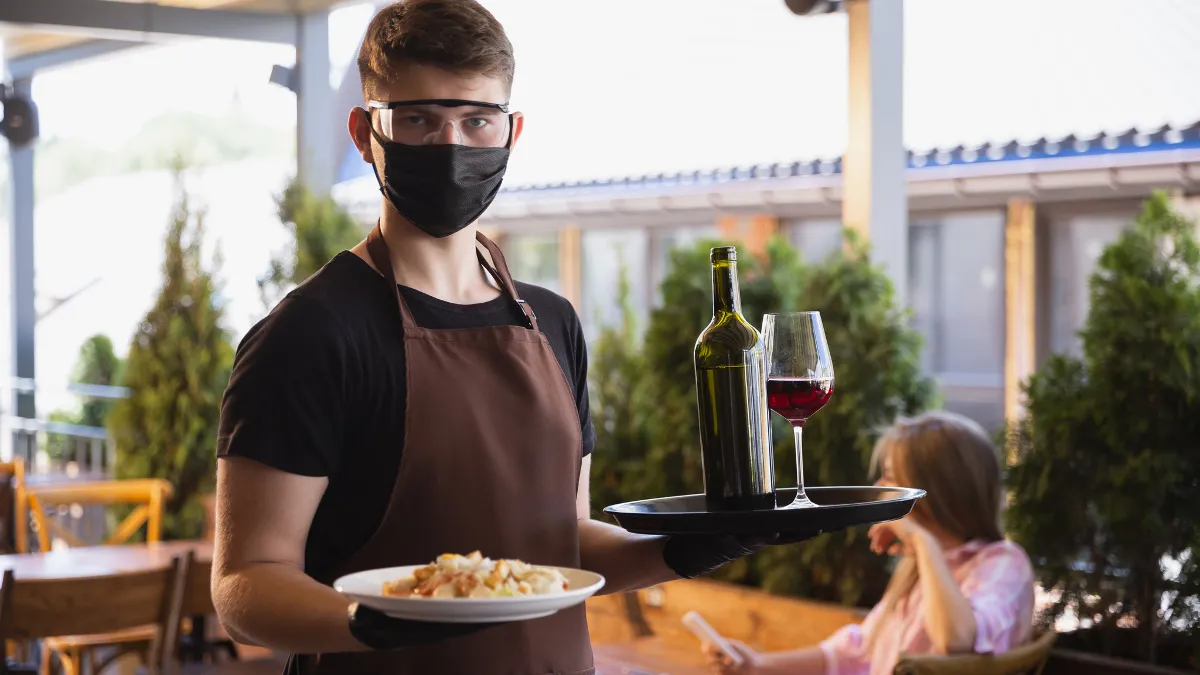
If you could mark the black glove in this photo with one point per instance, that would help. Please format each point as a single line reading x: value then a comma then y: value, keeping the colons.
x: 384, y: 633
x: 695, y: 555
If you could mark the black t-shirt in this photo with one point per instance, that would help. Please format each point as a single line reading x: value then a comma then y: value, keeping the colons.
x: 318, y: 389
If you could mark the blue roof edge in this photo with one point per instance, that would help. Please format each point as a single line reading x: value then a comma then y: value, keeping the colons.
x: 1131, y: 141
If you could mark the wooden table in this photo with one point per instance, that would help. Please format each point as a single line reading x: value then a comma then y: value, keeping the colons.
x: 648, y: 656
x: 89, y: 561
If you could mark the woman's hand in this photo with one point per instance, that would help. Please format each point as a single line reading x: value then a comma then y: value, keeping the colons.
x: 896, y: 537
x: 752, y: 661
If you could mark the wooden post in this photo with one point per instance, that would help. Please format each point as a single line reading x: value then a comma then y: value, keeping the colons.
x: 874, y: 189
x: 729, y: 228
x: 1020, y: 291
x: 20, y: 507
x: 763, y: 228
x: 570, y: 269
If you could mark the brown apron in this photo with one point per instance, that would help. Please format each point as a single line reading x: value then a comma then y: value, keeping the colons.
x: 491, y: 462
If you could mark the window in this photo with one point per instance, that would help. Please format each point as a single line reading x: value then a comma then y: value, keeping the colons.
x: 1075, y: 245
x: 605, y: 254
x: 923, y: 257
x: 971, y: 311
x: 668, y: 239
x: 956, y: 291
x: 816, y: 239
x: 533, y: 259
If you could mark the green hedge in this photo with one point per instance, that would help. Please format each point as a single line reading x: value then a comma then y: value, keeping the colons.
x: 176, y: 370
x: 1104, y: 492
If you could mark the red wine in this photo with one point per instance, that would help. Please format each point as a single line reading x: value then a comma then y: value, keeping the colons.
x: 797, y: 399
x: 731, y: 397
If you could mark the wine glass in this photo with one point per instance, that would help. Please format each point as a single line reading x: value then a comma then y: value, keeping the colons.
x: 799, y: 375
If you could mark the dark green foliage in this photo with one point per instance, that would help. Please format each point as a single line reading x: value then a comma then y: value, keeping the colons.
x: 176, y: 371
x: 320, y: 229
x: 97, y: 364
x: 617, y: 381
x: 1105, y: 486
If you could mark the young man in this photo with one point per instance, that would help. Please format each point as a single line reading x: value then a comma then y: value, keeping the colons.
x: 410, y: 400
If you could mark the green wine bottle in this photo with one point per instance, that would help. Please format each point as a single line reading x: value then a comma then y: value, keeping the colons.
x: 731, y: 395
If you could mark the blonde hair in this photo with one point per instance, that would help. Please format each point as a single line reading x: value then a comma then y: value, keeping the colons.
x: 953, y: 460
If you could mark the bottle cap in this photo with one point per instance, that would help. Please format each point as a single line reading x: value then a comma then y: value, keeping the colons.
x: 727, y: 253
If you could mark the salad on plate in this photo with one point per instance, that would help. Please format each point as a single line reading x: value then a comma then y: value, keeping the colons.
x: 474, y: 576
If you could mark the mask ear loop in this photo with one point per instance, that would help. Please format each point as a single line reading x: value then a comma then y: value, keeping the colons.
x: 384, y: 189
x: 508, y: 145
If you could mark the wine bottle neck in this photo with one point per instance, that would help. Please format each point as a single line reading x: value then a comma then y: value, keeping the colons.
x: 726, y: 296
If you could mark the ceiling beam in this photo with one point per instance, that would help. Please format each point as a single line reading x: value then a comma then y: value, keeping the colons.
x: 37, y: 62
x: 139, y: 22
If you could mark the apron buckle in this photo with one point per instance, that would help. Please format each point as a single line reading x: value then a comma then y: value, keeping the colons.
x: 530, y: 316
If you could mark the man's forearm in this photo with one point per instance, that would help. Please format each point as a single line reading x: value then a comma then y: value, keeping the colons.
x: 280, y: 607
x: 627, y: 561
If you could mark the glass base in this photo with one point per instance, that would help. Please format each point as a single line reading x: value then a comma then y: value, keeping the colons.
x: 800, y: 502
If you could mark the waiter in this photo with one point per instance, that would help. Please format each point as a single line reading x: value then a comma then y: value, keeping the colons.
x: 411, y: 399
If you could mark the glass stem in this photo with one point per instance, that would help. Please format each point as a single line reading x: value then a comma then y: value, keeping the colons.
x: 801, y: 498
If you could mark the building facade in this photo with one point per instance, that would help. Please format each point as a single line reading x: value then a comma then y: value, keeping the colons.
x: 1002, y: 239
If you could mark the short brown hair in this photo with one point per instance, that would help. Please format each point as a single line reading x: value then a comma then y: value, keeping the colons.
x: 456, y: 35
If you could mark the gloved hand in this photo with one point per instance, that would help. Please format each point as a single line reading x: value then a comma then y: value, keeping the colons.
x: 384, y: 633
x: 694, y: 555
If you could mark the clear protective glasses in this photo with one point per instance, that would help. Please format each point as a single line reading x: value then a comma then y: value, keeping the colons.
x: 475, y: 124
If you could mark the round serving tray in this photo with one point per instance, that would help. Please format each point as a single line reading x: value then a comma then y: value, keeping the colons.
x: 836, y: 508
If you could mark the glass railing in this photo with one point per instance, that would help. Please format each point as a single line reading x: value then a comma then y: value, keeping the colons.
x: 55, y: 449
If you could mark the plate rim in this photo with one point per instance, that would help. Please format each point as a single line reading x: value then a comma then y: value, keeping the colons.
x: 593, y: 587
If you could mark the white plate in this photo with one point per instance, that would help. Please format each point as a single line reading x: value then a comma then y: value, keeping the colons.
x: 367, y: 588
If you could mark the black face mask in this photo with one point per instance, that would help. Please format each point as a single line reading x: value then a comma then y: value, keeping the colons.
x: 440, y: 188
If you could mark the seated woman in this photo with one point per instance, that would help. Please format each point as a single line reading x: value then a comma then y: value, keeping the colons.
x: 959, y: 587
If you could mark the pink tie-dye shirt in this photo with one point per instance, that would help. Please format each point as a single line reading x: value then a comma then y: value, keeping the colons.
x: 997, y: 580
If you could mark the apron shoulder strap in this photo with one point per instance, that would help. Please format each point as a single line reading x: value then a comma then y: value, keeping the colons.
x: 378, y: 250
x: 502, y: 276
x: 498, y: 268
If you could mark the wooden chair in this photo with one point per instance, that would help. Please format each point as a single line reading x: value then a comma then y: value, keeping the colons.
x: 147, y: 494
x: 1028, y: 659
x: 14, y: 518
x: 14, y: 523
x: 108, y: 605
x: 197, y: 601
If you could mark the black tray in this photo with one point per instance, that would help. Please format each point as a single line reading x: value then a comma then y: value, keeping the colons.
x: 837, y: 508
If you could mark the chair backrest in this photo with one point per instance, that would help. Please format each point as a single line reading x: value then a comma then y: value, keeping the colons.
x: 14, y: 508
x: 197, y: 589
x: 40, y: 608
x: 187, y: 600
x: 1028, y: 659
x: 148, y: 494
